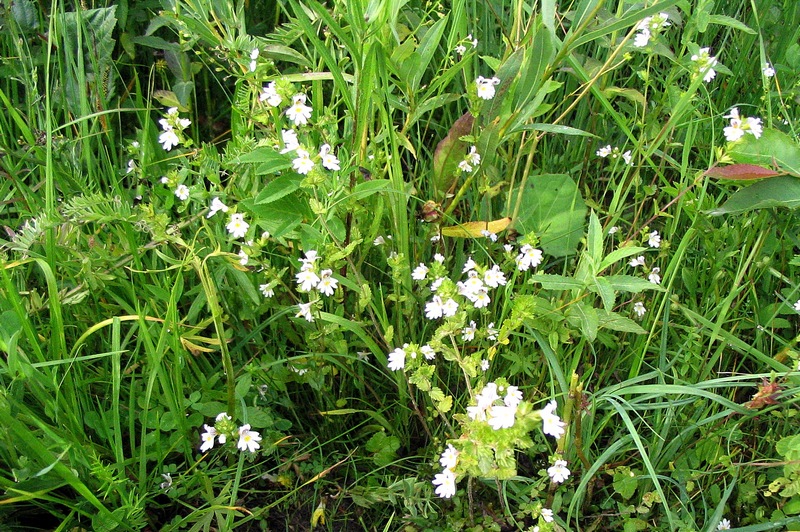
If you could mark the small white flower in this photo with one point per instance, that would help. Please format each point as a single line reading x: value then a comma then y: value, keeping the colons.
x: 488, y: 234
x: 797, y: 305
x: 605, y: 151
x: 223, y: 417
x: 558, y: 471
x: 307, y: 279
x: 513, y: 397
x: 472, y: 41
x: 131, y: 166
x: 244, y: 258
x: 494, y: 277
x: 303, y: 163
x: 502, y: 417
x: 208, y: 438
x: 768, y: 71
x: 484, y: 365
x: 327, y: 283
x: 638, y: 261
x: 468, y: 266
x: 639, y: 309
x: 253, y: 57
x: 449, y: 308
x: 304, y: 311
x: 164, y: 180
x: 551, y: 423
x: 480, y: 298
x: 613, y: 229
x: 491, y: 332
x: 428, y: 352
x: 439, y: 258
x: 627, y: 157
x: 449, y: 457
x: 237, y: 227
x: 290, y: 142
x: 753, y: 126
x: 468, y: 332
x: 725, y: 524
x: 655, y: 275
x: 169, y: 139
x: 486, y: 87
x: 642, y: 38
x: 270, y: 95
x: 329, y: 160
x: 433, y: 309
x: 445, y: 483
x: 182, y: 192
x: 528, y: 258
x: 299, y: 112
x: 266, y: 290
x: 547, y: 515
x: 654, y: 240
x: 167, y: 484
x: 248, y: 439
x: 420, y: 272
x: 215, y: 207
x: 460, y: 49
x: 397, y: 359
x: 379, y: 241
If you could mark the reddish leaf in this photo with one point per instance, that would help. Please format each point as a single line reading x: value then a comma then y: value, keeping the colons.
x: 742, y: 172
x: 449, y: 152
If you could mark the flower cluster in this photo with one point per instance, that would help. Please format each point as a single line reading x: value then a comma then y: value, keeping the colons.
x: 704, y: 64
x: 498, y: 412
x: 172, y: 127
x: 614, y: 153
x: 223, y: 429
x: 650, y: 27
x: 472, y: 160
x: 738, y: 126
x: 461, y: 48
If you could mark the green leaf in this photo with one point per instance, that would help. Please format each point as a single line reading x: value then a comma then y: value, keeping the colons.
x: 587, y: 318
x: 557, y: 129
x: 277, y: 188
x: 553, y: 208
x: 25, y: 15
x: 427, y: 47
x: 619, y: 254
x: 724, y: 20
x: 605, y: 291
x: 280, y: 216
x: 556, y: 282
x: 629, y: 283
x: 617, y: 322
x: 773, y: 149
x: 625, y: 484
x: 284, y: 53
x: 537, y: 62
x: 782, y: 191
x: 268, y: 159
x: 594, y: 239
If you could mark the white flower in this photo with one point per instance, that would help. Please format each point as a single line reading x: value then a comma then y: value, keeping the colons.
x: 270, y: 95
x: 428, y: 352
x: 449, y: 457
x: 734, y: 131
x: 487, y: 396
x: 613, y: 229
x: 446, y: 484
x: 299, y: 112
x: 480, y: 298
x: 244, y: 258
x: 725, y: 524
x: 307, y: 279
x: 638, y: 261
x: 433, y: 309
x: 558, y: 471
x: 627, y: 157
x: 182, y: 192
x: 437, y: 283
x: 768, y: 71
x: 215, y: 207
x: 484, y: 365
x: 131, y: 166
x: 224, y: 417
x: 502, y: 417
x: 168, y: 139
x: 397, y: 359
x: 494, y: 277
x: 486, y: 87
x: 290, y: 142
x: 460, y: 49
x: 642, y: 38
x: 705, y: 64
x: 639, y: 308
x: 303, y: 163
x: 468, y: 266
x: 655, y: 275
x: 208, y: 438
x: 513, y: 396
x: 248, y: 439
x: 468, y: 332
x: 329, y: 160
x: 753, y: 126
x: 605, y: 151
x: 253, y: 57
x: 164, y: 180
x: 167, y: 484
x: 379, y: 241
x: 547, y: 515
x: 491, y: 332
x: 327, y: 283
x: 449, y: 308
x: 439, y: 258
x: 797, y: 305
x: 304, y: 311
x: 551, y: 423
x: 529, y: 257
x: 472, y: 41
x: 488, y: 234
x: 266, y: 290
x: 420, y: 272
x: 472, y: 159
x: 237, y: 227
x: 654, y: 240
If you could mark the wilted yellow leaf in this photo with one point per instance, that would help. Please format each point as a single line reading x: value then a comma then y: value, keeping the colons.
x: 474, y: 229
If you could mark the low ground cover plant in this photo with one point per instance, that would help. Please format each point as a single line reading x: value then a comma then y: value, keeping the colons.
x: 378, y: 266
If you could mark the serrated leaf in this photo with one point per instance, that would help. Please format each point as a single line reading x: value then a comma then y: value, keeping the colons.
x: 781, y: 191
x: 277, y: 188
x: 619, y: 254
x: 741, y: 172
x: 449, y: 152
x: 605, y: 291
x: 629, y: 283
x: 268, y: 159
x: 587, y: 319
x: 617, y: 322
x: 475, y: 229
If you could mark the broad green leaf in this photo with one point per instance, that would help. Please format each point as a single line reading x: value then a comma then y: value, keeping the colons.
x: 617, y: 322
x: 557, y: 129
x: 552, y: 207
x: 268, y: 159
x: 586, y: 316
x: 25, y: 14
x: 782, y: 191
x: 731, y: 22
x: 773, y: 149
x: 619, y: 254
x: 280, y: 216
x: 279, y: 52
x: 605, y: 291
x: 449, y: 152
x: 368, y: 188
x: 741, y: 172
